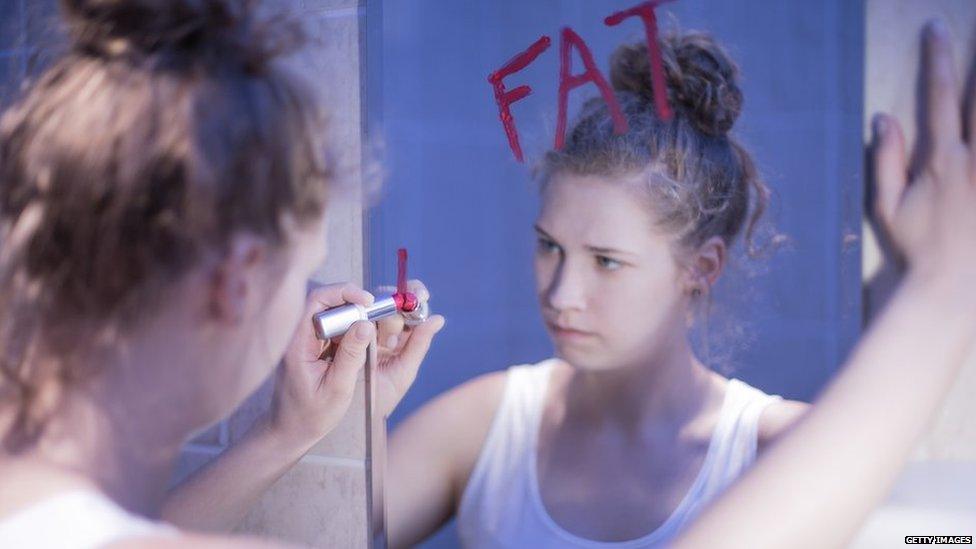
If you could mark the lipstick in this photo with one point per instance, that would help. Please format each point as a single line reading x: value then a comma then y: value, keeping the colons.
x: 336, y: 321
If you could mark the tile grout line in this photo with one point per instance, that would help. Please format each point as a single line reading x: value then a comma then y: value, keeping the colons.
x: 315, y: 459
x: 312, y: 459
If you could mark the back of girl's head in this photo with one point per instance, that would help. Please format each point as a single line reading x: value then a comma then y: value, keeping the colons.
x: 701, y: 182
x: 167, y: 127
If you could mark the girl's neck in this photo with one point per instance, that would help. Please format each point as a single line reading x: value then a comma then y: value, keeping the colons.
x: 119, y: 432
x: 670, y: 387
x: 128, y: 459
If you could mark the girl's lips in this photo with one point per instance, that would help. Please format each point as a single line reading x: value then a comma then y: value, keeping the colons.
x: 561, y: 332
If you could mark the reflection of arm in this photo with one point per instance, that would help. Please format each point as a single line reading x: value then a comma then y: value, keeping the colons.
x: 431, y: 454
x: 815, y: 486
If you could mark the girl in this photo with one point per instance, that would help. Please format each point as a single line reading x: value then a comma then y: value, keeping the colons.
x: 626, y: 433
x: 162, y: 198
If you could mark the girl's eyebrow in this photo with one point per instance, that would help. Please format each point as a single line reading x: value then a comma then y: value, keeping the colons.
x: 595, y: 249
x: 609, y: 251
x: 539, y: 230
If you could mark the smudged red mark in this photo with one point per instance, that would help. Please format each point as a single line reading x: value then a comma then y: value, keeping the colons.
x: 505, y: 98
x: 405, y: 301
x: 569, y: 81
x: 645, y: 11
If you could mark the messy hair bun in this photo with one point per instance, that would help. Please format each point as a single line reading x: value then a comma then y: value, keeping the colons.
x: 222, y: 28
x: 703, y: 181
x: 701, y: 78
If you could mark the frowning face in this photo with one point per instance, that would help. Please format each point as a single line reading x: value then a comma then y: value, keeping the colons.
x: 607, y: 281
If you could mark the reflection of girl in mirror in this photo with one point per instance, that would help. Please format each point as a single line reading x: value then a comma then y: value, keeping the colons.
x: 626, y: 434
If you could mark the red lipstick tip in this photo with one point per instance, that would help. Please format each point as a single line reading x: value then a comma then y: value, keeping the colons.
x: 405, y: 301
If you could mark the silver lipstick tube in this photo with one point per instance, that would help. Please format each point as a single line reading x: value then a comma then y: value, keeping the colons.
x: 336, y: 321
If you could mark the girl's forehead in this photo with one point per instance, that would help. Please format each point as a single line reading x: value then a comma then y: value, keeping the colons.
x: 603, y: 210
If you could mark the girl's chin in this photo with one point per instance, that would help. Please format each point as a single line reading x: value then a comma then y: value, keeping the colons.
x: 588, y: 361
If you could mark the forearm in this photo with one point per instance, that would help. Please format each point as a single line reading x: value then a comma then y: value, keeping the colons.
x: 815, y: 486
x: 418, y: 493
x: 431, y: 455
x: 216, y: 497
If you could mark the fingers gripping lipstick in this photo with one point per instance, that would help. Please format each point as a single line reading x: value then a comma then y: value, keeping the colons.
x: 336, y: 321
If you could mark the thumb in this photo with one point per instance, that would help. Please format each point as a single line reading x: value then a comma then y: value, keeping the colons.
x: 350, y: 357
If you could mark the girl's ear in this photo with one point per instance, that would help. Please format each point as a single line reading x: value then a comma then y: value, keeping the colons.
x: 705, y: 266
x: 234, y: 277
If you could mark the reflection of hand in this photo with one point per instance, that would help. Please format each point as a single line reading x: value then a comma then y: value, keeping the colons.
x: 930, y: 214
x: 315, y: 384
x: 401, y: 350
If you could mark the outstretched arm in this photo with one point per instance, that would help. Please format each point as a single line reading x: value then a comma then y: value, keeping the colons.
x: 815, y: 486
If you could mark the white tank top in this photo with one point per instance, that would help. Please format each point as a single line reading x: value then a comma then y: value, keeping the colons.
x: 502, y: 507
x: 81, y: 519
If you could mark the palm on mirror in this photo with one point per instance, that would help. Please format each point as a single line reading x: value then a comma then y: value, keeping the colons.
x: 926, y: 208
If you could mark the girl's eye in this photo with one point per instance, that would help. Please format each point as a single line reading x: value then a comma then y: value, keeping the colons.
x: 607, y: 263
x: 547, y: 246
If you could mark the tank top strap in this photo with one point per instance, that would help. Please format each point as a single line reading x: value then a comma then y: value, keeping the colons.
x: 528, y: 384
x: 520, y: 411
x: 736, y: 434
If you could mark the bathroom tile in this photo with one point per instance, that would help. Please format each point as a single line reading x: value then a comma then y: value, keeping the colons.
x: 318, y: 502
x: 347, y: 440
x: 254, y: 407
